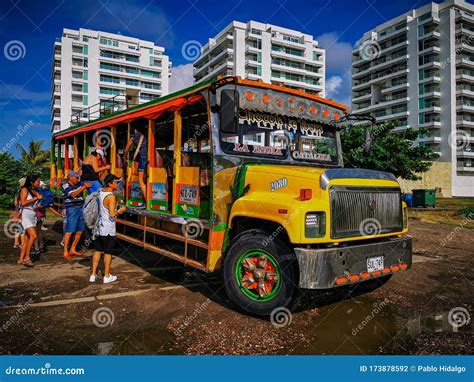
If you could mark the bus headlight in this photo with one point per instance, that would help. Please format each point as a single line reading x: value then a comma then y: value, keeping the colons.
x: 315, y: 224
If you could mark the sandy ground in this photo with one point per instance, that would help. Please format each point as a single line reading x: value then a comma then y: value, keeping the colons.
x: 159, y: 307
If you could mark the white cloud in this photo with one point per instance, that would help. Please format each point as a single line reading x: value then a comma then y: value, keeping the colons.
x: 338, y: 53
x: 332, y: 85
x: 181, y: 77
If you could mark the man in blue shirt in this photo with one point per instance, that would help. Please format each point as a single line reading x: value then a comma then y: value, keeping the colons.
x: 139, y: 141
x: 73, y: 202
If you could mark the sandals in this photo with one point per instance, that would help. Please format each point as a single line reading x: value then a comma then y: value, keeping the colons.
x: 28, y: 263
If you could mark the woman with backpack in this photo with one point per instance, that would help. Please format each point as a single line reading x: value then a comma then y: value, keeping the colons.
x: 105, y: 230
x: 29, y: 198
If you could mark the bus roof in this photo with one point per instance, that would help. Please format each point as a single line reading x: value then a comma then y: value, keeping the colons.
x: 177, y: 98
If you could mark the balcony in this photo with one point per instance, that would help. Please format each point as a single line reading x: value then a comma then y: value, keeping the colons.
x: 390, y: 117
x: 462, y: 46
x: 465, y: 90
x: 254, y: 76
x: 430, y: 139
x: 465, y: 154
x: 431, y: 109
x: 281, y: 54
x: 294, y: 44
x: 465, y: 107
x: 393, y: 88
x: 463, y: 30
x: 462, y: 15
x: 432, y: 64
x: 430, y: 125
x: 464, y: 61
x: 213, y: 60
x: 465, y: 168
x: 381, y: 78
x: 431, y: 93
x: 436, y: 79
x: 289, y: 69
x: 465, y: 122
x: 361, y: 97
x: 392, y: 33
x: 215, y: 70
x: 433, y: 33
x: 252, y: 63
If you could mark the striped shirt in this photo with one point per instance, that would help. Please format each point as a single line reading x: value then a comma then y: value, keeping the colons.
x: 69, y: 200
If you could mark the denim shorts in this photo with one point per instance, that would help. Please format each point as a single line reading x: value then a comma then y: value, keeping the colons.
x: 74, y: 220
x: 142, y: 162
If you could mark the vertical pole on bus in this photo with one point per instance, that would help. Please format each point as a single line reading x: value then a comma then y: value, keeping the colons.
x: 52, y: 168
x: 76, y: 153
x: 151, y: 159
x: 126, y: 167
x: 113, y: 149
x: 66, y: 157
x: 59, y: 163
x: 177, y: 155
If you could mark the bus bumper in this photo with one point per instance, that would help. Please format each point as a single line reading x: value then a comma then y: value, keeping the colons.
x: 332, y: 267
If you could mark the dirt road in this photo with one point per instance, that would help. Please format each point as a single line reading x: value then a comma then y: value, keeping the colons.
x: 158, y: 307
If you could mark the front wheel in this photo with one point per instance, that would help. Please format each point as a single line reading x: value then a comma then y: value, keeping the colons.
x: 260, y: 275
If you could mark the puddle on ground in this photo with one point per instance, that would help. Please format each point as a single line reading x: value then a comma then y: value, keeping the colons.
x: 354, y: 326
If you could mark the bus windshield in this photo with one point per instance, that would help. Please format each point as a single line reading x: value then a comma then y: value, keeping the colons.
x: 280, y: 137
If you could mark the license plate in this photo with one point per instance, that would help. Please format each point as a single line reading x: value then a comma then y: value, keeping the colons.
x: 374, y: 263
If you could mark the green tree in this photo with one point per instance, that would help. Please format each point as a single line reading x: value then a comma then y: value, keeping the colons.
x: 35, y: 160
x: 390, y: 151
x: 10, y: 173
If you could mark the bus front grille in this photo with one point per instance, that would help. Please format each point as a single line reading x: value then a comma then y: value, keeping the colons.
x: 365, y: 211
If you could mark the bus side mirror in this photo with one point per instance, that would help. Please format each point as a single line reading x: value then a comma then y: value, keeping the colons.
x: 367, y: 139
x: 229, y: 108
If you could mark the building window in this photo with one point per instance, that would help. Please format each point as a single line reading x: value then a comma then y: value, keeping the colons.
x: 108, y: 41
x: 259, y: 70
x: 150, y: 73
x: 85, y: 38
x: 85, y: 100
x: 111, y: 79
x: 86, y: 74
x: 86, y: 50
x: 109, y: 91
x: 256, y: 31
x: 132, y: 82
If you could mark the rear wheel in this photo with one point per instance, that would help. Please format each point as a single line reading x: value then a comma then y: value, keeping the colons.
x: 260, y: 278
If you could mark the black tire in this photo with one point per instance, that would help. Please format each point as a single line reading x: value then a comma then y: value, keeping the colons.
x: 253, y: 240
x: 371, y: 285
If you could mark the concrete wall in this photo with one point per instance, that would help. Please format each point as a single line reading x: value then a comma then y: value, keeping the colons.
x: 438, y: 177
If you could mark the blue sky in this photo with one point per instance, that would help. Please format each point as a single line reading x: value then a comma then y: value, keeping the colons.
x: 25, y: 83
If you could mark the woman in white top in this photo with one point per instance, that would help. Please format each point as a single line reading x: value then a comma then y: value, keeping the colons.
x: 28, y: 198
x: 105, y: 234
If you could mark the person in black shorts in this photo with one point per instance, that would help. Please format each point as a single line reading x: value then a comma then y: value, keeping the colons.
x: 105, y: 234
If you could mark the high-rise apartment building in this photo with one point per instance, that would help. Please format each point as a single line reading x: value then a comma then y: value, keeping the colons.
x: 96, y: 72
x: 264, y: 52
x: 418, y: 69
